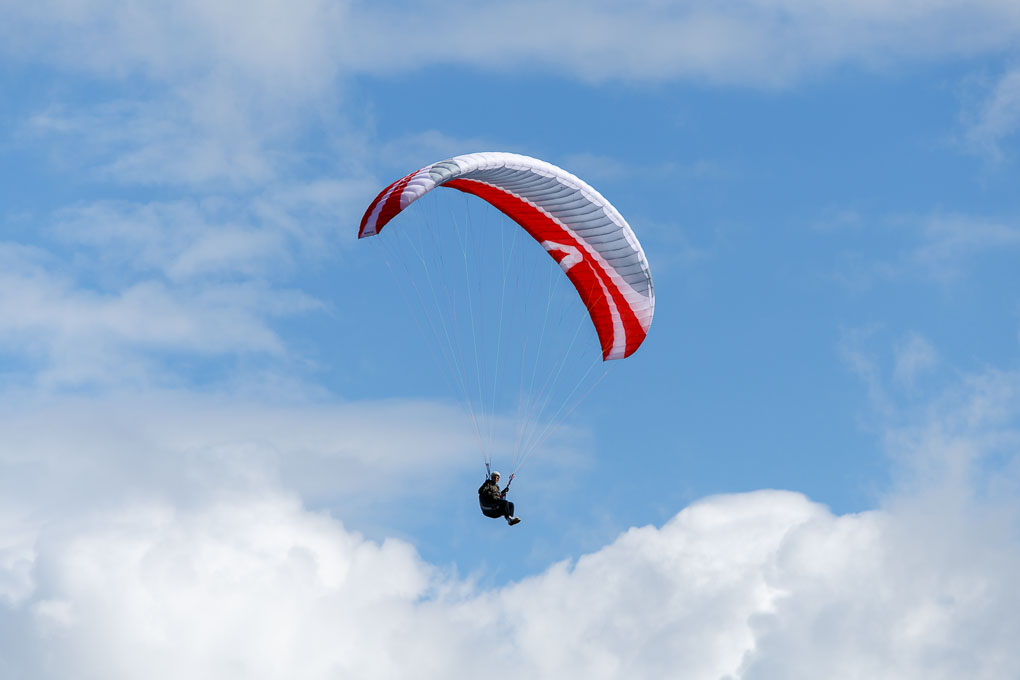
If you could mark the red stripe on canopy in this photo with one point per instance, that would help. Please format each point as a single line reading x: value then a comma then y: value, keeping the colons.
x: 588, y: 276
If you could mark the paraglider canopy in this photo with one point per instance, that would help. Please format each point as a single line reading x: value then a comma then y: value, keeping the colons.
x: 578, y: 228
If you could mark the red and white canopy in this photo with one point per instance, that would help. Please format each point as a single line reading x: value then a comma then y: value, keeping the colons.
x: 579, y: 229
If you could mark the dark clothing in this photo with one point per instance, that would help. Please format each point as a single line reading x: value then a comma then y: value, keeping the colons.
x: 489, y: 493
x: 493, y: 501
x: 503, y: 509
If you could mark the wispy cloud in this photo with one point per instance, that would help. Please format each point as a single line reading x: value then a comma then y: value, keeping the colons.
x: 960, y: 439
x: 965, y: 441
x: 300, y: 51
x: 409, y: 152
x: 73, y: 334
x: 264, y: 47
x: 949, y: 242
x: 165, y: 140
x: 104, y: 291
x: 181, y: 240
x: 599, y: 167
x: 182, y: 444
x: 758, y: 43
x: 996, y: 118
x: 212, y: 238
x: 941, y: 248
x: 915, y: 355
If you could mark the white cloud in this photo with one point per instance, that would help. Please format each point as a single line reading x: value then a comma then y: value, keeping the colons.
x: 258, y: 588
x: 866, y: 367
x: 186, y: 239
x: 967, y: 439
x: 418, y: 149
x: 940, y: 248
x: 196, y: 138
x: 949, y: 241
x: 890, y: 594
x: 915, y: 355
x: 753, y: 42
x: 18, y: 532
x: 203, y: 95
x: 759, y: 585
x: 276, y: 46
x: 162, y: 535
x: 217, y: 96
x: 104, y: 289
x: 300, y: 48
x: 997, y: 117
x: 68, y: 453
x: 595, y: 167
x: 83, y: 335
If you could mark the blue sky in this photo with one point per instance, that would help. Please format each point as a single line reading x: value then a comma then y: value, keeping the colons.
x: 223, y: 442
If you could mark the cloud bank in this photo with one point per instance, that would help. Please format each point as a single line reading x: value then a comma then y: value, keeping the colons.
x: 759, y: 585
x: 238, y: 576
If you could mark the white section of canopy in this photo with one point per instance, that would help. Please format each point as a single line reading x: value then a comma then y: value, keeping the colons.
x: 562, y: 196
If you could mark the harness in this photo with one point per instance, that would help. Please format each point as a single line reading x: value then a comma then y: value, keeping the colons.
x: 496, y: 508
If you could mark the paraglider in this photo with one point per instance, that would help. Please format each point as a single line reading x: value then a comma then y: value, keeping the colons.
x: 576, y: 226
x: 493, y: 501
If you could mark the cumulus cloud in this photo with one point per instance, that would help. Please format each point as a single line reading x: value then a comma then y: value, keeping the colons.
x: 759, y: 585
x: 17, y: 554
x: 890, y: 594
x: 239, y: 576
x: 258, y: 588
